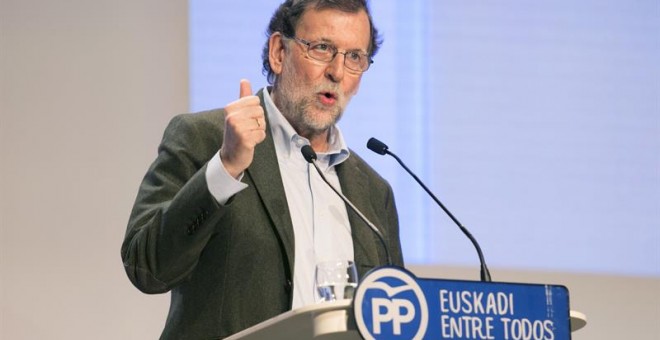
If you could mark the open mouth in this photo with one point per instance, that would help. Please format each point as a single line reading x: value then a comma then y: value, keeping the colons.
x: 328, y: 98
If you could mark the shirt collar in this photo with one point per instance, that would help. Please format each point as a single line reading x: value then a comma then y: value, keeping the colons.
x: 289, y: 141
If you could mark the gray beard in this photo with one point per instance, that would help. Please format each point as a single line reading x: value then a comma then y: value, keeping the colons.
x: 297, y: 113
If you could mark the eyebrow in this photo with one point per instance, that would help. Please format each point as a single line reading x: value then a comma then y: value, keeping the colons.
x: 326, y: 40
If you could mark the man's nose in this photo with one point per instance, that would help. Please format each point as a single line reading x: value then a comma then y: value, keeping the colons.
x: 335, y: 69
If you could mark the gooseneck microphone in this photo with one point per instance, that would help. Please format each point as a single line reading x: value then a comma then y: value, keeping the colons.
x: 310, y: 156
x: 380, y: 148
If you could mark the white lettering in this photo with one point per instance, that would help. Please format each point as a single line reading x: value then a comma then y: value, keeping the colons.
x: 376, y: 304
x: 454, y: 303
x: 489, y: 329
x: 478, y: 305
x: 502, y: 303
x: 443, y: 301
x: 393, y: 313
x: 549, y: 330
x: 456, y: 327
x: 525, y: 329
x: 466, y: 327
x: 408, y: 316
x: 465, y: 302
x: 444, y: 324
x: 472, y: 302
x: 491, y: 304
x: 505, y: 321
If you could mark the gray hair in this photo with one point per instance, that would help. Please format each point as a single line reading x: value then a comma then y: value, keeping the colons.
x: 288, y: 14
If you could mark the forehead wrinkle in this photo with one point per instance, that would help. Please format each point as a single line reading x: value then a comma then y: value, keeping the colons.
x: 331, y: 22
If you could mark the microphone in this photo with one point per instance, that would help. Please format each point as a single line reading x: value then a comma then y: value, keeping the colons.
x: 380, y: 148
x: 310, y: 156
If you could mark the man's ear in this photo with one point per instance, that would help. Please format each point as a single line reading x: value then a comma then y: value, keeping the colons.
x: 276, y: 52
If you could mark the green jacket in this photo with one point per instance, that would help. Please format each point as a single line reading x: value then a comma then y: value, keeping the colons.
x: 230, y: 267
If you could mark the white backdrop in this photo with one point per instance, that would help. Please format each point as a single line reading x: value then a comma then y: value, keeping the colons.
x: 536, y: 122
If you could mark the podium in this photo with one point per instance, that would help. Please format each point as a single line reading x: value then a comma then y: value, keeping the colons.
x: 381, y: 300
x: 327, y: 321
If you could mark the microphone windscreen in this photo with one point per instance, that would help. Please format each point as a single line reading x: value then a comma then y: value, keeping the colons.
x: 308, y: 153
x: 377, y: 146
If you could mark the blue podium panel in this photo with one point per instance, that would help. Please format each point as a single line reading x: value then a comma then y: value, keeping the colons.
x: 391, y: 303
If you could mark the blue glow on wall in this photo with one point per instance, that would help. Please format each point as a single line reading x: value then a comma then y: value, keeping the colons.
x: 536, y: 122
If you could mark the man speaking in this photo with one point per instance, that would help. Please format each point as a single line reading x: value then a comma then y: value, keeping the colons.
x: 230, y: 217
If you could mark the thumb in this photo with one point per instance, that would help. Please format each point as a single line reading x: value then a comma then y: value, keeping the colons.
x: 246, y: 89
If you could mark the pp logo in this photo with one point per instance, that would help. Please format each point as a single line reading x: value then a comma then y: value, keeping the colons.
x: 389, y: 304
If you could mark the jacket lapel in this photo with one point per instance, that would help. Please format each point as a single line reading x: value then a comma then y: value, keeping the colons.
x: 265, y: 174
x: 354, y: 186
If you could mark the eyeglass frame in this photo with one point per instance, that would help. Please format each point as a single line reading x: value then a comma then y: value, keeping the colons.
x: 334, y: 55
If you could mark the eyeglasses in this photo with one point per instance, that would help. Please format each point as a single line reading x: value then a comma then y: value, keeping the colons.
x: 355, y: 60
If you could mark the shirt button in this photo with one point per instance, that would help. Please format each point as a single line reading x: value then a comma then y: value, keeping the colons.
x: 298, y: 141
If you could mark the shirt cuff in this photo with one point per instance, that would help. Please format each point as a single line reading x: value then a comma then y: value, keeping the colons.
x: 220, y: 183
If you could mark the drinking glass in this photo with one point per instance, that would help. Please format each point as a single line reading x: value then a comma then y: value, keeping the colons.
x: 336, y: 279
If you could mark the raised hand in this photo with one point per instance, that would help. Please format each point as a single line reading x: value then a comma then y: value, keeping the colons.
x: 245, y: 127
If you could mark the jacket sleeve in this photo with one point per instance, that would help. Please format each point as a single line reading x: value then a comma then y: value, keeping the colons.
x: 174, y: 214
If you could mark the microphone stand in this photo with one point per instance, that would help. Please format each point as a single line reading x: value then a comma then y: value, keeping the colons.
x: 380, y: 148
x: 310, y: 157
